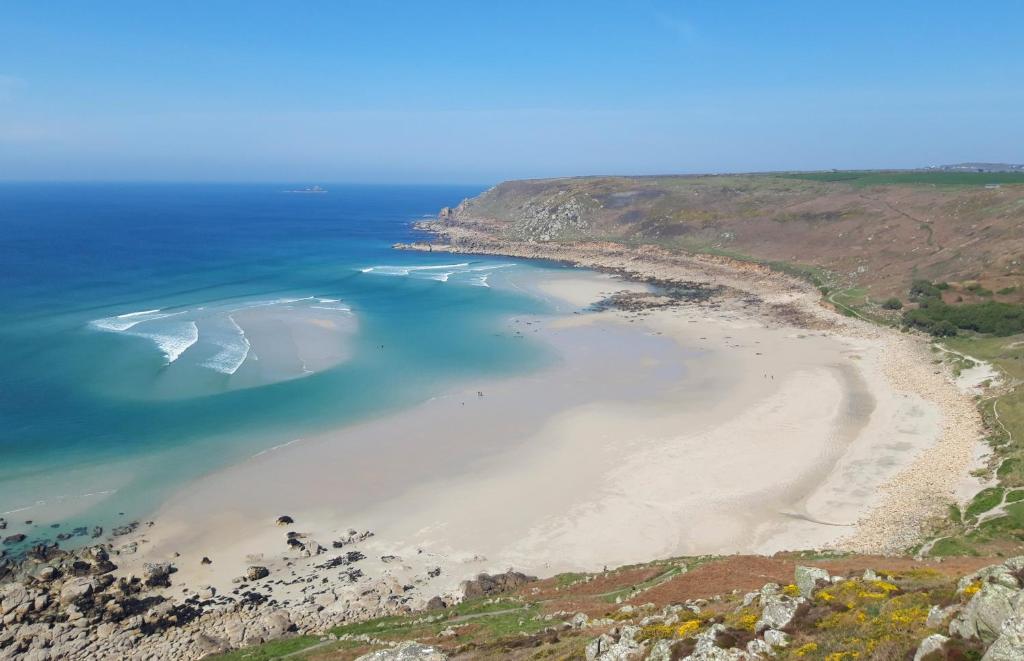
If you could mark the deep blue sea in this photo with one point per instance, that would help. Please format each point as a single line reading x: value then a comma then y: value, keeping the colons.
x: 151, y: 333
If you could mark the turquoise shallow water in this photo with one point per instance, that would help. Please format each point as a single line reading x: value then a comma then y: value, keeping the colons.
x: 152, y: 333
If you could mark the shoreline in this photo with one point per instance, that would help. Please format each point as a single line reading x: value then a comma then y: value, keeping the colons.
x: 911, y: 502
x: 604, y: 505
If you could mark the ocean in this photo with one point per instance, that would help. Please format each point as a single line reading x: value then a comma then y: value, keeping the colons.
x: 152, y: 333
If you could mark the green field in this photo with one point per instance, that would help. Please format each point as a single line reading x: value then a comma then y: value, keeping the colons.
x: 896, y: 177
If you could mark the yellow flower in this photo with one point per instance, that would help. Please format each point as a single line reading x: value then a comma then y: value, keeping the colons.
x: 791, y: 590
x: 908, y: 615
x: 972, y: 589
x: 688, y: 628
x: 804, y: 650
x: 655, y: 632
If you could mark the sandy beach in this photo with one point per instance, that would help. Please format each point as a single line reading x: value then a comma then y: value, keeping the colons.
x: 692, y: 429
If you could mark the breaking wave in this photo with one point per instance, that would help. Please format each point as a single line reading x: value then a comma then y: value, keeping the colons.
x: 123, y: 322
x: 231, y: 354
x: 220, y: 331
x: 173, y: 341
x: 464, y: 272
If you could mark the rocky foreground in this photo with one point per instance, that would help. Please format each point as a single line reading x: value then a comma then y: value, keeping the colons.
x: 57, y: 604
x: 917, y: 613
x: 61, y: 605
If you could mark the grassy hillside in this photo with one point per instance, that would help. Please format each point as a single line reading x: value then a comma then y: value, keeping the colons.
x: 671, y: 603
x: 875, y: 231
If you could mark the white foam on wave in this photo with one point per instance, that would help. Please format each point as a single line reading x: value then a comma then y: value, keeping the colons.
x: 231, y: 354
x: 332, y: 308
x: 123, y: 322
x: 173, y: 339
x: 409, y: 270
x: 276, y: 301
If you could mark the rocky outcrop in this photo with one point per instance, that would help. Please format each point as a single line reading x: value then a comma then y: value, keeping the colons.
x: 933, y: 646
x: 1009, y: 646
x: 996, y: 595
x: 807, y: 579
x: 485, y: 584
x: 407, y: 651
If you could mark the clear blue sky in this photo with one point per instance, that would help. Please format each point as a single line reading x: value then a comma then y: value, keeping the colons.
x: 475, y: 91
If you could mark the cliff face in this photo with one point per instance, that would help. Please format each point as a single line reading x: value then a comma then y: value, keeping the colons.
x: 876, y: 236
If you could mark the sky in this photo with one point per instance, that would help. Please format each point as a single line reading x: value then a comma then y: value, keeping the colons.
x: 478, y: 92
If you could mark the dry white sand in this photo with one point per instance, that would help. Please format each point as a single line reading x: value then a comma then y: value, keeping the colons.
x: 686, y: 430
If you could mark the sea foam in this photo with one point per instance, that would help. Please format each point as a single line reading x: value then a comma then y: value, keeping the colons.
x: 172, y: 339
x: 464, y: 272
x: 232, y: 353
x: 123, y: 322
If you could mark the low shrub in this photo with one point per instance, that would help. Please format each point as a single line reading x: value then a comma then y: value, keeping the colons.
x: 893, y: 304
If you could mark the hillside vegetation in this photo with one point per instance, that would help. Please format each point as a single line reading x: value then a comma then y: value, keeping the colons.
x: 788, y: 607
x: 875, y: 231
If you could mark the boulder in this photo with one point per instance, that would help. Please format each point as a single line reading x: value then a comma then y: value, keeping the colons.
x: 1009, y: 646
x: 276, y: 623
x: 12, y: 596
x: 256, y: 572
x: 933, y: 646
x: 985, y: 613
x: 268, y: 626
x: 606, y: 648
x: 707, y: 649
x: 778, y: 612
x: 759, y: 649
x: 210, y: 645
x: 158, y: 574
x: 598, y: 647
x: 75, y: 589
x: 485, y: 584
x: 662, y: 651
x: 285, y: 520
x: 776, y: 638
x: 436, y: 603
x: 937, y: 616
x: 407, y: 651
x: 14, y: 539
x: 807, y: 579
